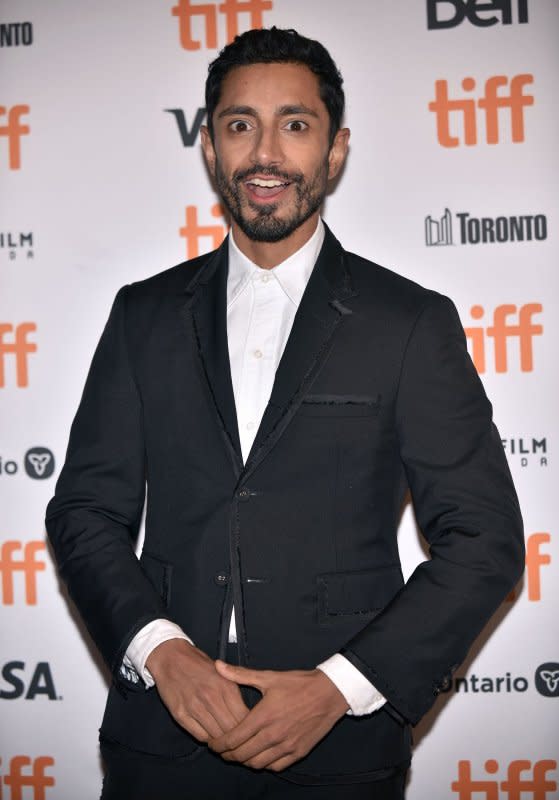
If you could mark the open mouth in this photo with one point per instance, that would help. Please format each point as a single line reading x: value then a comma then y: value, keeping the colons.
x: 266, y: 188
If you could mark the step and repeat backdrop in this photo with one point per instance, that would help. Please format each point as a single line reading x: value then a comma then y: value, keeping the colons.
x: 451, y: 181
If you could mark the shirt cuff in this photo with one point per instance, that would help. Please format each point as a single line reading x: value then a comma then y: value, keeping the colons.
x: 144, y: 642
x: 360, y: 694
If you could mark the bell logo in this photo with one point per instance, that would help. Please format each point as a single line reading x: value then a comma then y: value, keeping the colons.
x: 471, y: 9
x: 501, y: 332
x: 28, y: 565
x: 186, y: 11
x: 193, y: 232
x: 13, y: 131
x: 490, y: 103
x: 27, y: 773
x: 534, y: 781
x: 19, y: 347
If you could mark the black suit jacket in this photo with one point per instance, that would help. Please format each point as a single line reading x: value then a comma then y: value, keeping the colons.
x: 375, y: 393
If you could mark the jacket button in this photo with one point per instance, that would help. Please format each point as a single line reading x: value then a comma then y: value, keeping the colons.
x: 445, y: 683
x: 243, y: 494
x: 221, y: 579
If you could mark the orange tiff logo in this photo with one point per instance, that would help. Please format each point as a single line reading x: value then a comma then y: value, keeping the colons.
x: 29, y: 566
x: 535, y: 560
x: 186, y: 11
x: 491, y: 102
x: 19, y: 348
x: 13, y: 130
x: 193, y: 231
x: 523, y: 781
x: 501, y: 332
x: 27, y: 773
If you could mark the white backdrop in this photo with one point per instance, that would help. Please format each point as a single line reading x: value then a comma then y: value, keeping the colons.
x: 95, y: 183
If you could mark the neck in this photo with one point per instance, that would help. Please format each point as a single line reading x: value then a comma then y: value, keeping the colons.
x: 268, y: 255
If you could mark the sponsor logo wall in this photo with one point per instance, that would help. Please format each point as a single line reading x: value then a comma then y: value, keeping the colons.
x: 449, y: 182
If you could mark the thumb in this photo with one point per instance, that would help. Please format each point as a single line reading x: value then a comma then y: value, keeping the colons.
x: 242, y: 675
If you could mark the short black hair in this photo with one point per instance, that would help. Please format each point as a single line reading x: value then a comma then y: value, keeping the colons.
x: 283, y: 46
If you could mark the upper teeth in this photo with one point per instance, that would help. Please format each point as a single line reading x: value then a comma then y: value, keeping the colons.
x: 268, y: 184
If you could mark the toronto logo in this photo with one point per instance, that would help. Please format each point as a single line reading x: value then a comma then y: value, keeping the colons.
x: 483, y: 230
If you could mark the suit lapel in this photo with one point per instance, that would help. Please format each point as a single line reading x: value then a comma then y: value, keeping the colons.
x: 207, y: 304
x: 319, y: 315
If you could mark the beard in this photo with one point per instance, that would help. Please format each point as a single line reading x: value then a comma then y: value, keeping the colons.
x: 266, y: 226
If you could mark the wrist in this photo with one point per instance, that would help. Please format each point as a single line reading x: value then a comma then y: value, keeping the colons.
x: 335, y: 700
x: 165, y: 654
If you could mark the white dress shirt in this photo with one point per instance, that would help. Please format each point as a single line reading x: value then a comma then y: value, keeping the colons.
x: 261, y: 307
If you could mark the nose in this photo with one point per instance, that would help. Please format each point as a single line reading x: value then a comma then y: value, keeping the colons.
x: 267, y: 147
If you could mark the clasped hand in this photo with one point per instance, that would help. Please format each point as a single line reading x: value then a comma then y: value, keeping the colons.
x: 298, y: 707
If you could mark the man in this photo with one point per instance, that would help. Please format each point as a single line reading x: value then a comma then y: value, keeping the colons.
x: 279, y: 396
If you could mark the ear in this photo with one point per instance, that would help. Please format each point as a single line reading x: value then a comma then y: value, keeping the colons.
x: 208, y: 148
x: 338, y: 152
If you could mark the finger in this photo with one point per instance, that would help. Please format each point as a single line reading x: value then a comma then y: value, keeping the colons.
x: 282, y: 763
x: 224, y: 717
x: 201, y: 715
x: 221, y: 707
x: 267, y: 757
x: 194, y: 728
x: 262, y: 743
x: 243, y: 676
x: 244, y: 731
x: 236, y: 706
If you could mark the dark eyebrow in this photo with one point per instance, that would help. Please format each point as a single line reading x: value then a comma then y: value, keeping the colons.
x: 283, y: 111
x: 233, y: 111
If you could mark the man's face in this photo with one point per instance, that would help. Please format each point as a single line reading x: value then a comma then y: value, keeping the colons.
x: 270, y: 157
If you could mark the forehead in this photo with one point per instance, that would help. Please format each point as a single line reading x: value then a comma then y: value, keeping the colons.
x: 271, y: 86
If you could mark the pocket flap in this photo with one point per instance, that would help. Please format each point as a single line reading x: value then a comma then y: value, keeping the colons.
x: 361, y: 592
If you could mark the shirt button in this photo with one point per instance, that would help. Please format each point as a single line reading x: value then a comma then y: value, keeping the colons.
x: 265, y: 278
x: 258, y: 353
x: 250, y: 426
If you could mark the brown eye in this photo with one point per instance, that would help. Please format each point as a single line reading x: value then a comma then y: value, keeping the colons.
x: 296, y: 126
x: 239, y: 126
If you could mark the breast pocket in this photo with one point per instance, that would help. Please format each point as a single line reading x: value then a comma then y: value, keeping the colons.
x: 340, y: 405
x: 362, y: 593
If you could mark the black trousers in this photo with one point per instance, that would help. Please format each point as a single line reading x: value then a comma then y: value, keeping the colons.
x: 133, y: 776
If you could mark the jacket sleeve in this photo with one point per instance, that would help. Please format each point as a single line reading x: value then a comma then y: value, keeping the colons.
x: 94, y: 516
x: 467, y: 509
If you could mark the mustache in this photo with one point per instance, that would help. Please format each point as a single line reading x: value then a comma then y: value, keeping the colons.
x: 272, y: 172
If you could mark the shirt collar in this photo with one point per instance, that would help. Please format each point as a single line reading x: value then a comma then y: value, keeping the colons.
x: 292, y: 274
